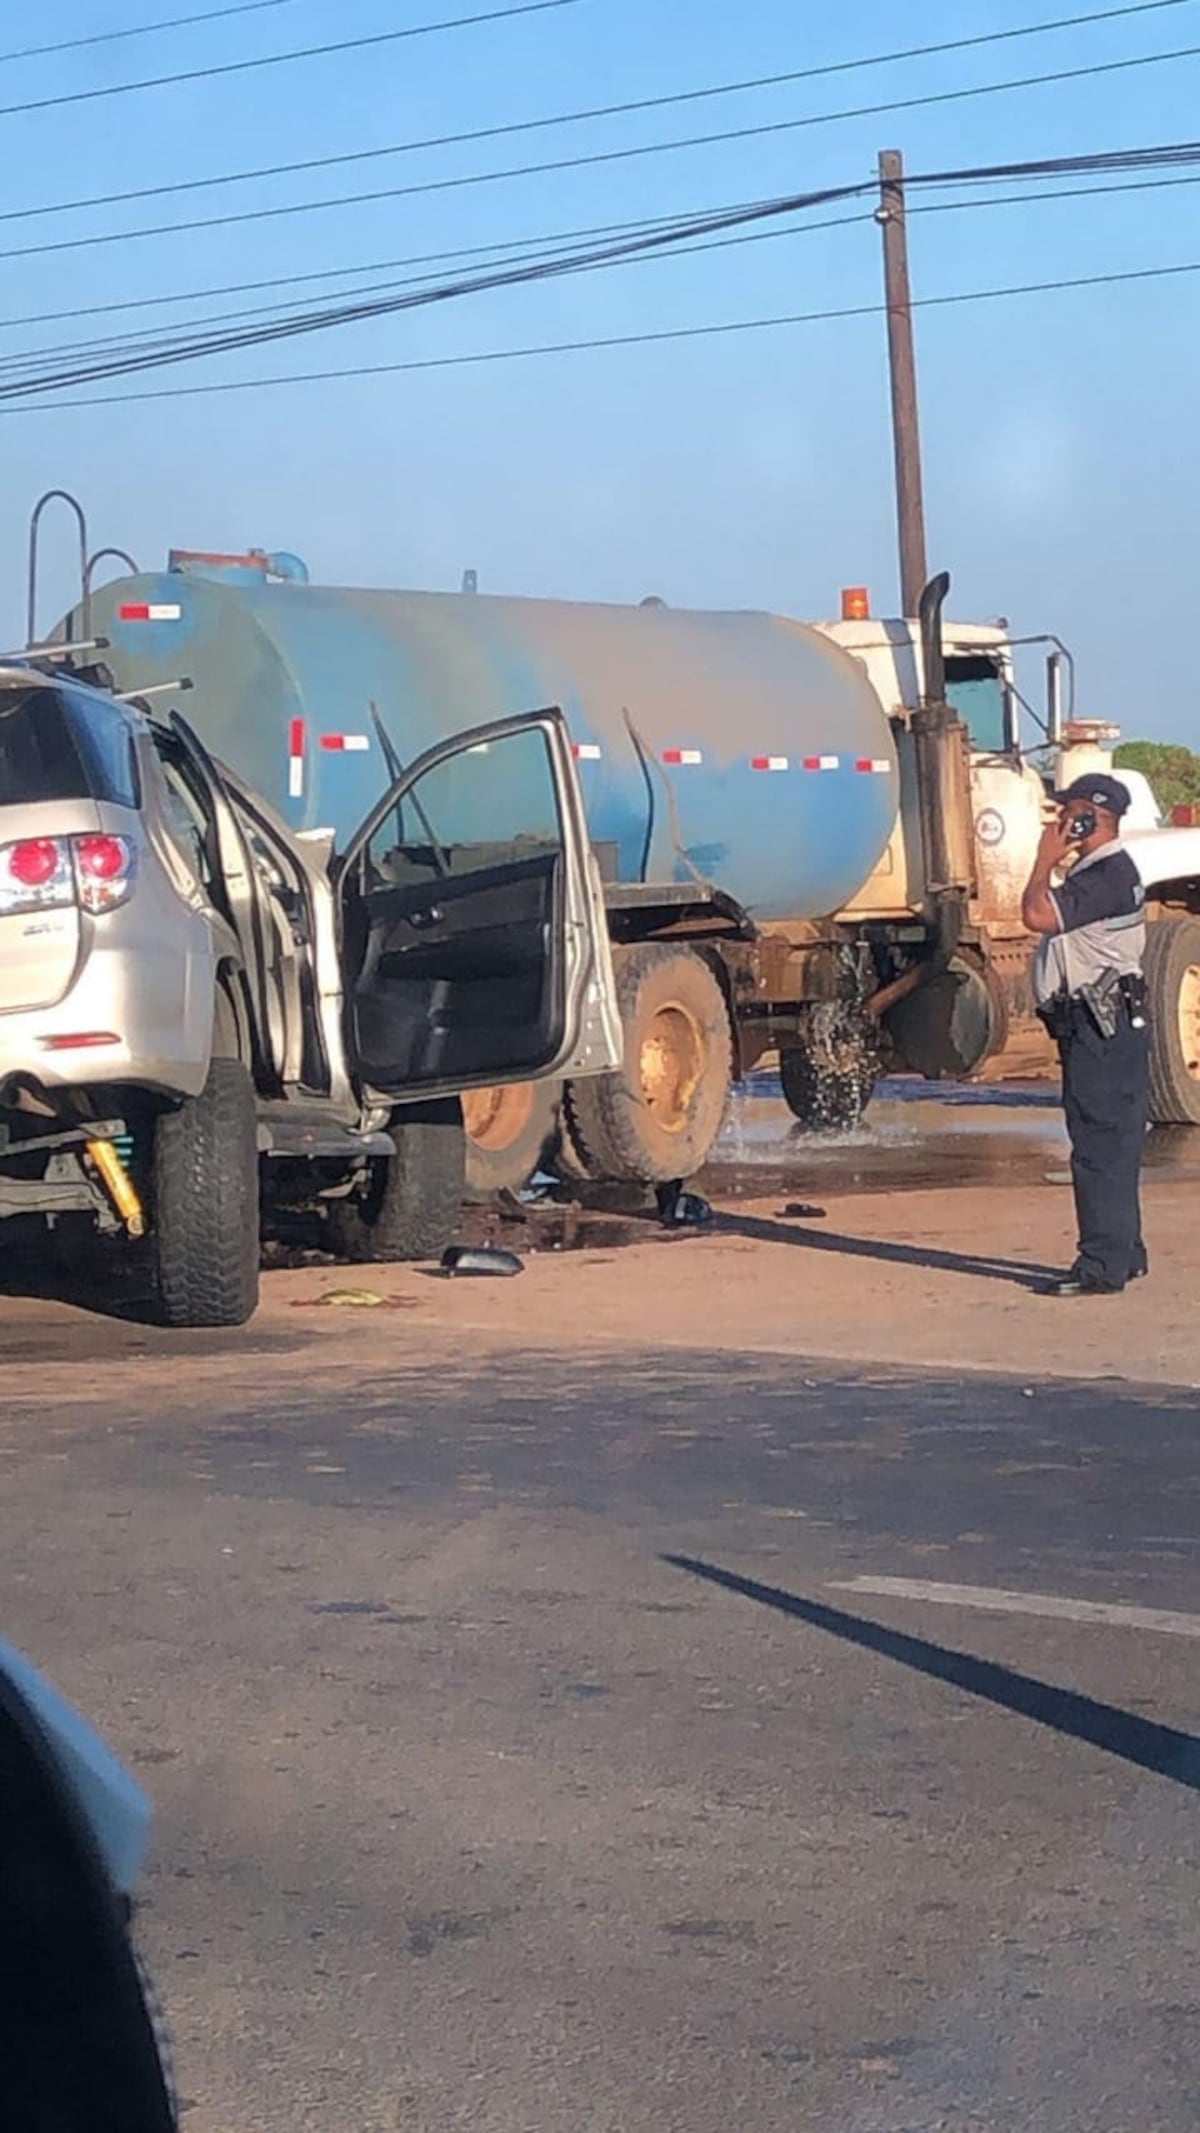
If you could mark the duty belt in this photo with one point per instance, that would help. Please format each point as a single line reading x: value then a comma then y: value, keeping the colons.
x: 1105, y: 1004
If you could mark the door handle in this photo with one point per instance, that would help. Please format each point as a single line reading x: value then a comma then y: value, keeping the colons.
x: 432, y: 915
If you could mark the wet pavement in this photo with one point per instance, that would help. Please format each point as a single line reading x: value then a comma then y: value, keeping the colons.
x: 915, y: 1134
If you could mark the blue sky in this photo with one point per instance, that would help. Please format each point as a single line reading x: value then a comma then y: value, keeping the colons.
x: 1061, y: 436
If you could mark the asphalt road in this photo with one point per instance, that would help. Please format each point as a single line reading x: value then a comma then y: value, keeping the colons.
x: 534, y: 1753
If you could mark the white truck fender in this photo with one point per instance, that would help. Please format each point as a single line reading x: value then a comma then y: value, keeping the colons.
x: 1162, y: 855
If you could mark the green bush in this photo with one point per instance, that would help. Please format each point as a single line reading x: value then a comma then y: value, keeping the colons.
x: 1173, y: 771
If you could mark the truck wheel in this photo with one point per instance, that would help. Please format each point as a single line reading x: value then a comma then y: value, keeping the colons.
x: 205, y: 1231
x: 410, y: 1203
x: 659, y: 1117
x: 824, y: 1099
x: 565, y: 1159
x: 829, y: 1073
x: 1173, y: 994
x: 508, y: 1133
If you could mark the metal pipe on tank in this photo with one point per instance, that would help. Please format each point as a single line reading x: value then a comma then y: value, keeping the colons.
x: 943, y: 748
x: 944, y: 795
x: 57, y: 496
x: 108, y: 555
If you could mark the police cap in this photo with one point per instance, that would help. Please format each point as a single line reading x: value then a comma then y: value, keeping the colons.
x: 1096, y: 790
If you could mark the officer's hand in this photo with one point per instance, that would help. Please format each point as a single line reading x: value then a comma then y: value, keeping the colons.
x: 1056, y: 842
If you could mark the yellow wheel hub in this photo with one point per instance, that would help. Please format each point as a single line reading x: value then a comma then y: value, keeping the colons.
x: 1188, y: 1011
x: 670, y: 1066
x: 495, y: 1118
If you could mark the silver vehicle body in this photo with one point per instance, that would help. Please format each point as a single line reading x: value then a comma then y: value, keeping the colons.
x: 142, y: 973
x: 154, y: 912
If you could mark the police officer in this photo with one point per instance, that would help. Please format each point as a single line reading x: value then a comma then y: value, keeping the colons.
x: 1091, y: 995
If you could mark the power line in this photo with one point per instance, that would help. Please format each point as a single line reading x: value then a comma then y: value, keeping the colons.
x: 122, y: 363
x: 370, y: 266
x: 146, y: 340
x: 1064, y: 192
x: 574, y: 118
x: 1129, y: 159
x: 122, y: 354
x: 622, y: 340
x: 547, y: 268
x: 602, y: 157
x: 283, y: 59
x: 143, y: 29
x: 1165, y: 154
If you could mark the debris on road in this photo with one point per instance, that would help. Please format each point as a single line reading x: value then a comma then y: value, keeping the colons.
x: 481, y: 1259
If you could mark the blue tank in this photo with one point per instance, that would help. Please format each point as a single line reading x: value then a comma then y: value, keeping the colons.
x: 743, y: 747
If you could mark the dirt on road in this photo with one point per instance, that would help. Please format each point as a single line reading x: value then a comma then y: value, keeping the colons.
x: 933, y: 1278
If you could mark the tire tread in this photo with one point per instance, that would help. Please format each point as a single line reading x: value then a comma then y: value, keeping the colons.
x: 206, y: 1203
x: 417, y: 1207
x: 1172, y: 945
x: 603, y: 1113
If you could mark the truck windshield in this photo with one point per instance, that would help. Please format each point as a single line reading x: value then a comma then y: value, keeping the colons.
x: 975, y: 688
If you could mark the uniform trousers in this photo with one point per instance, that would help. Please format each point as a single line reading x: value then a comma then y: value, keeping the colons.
x: 1106, y: 1097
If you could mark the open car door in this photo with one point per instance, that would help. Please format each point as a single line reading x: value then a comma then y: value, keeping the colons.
x: 238, y: 887
x: 474, y: 939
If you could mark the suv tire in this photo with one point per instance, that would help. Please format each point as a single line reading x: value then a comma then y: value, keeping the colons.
x: 412, y: 1202
x: 206, y: 1203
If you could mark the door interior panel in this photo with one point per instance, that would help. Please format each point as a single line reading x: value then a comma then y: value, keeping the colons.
x: 460, y: 975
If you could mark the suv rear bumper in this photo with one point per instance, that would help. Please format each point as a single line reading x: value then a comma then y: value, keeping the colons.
x: 144, y: 1020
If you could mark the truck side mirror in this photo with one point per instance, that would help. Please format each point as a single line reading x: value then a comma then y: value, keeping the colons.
x: 77, y: 2043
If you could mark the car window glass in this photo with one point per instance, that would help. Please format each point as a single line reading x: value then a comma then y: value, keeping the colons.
x: 40, y: 757
x: 975, y: 688
x: 106, y: 741
x: 481, y: 807
x: 186, y: 808
x: 58, y: 746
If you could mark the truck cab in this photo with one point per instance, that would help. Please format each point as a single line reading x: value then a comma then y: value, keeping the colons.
x: 985, y: 1006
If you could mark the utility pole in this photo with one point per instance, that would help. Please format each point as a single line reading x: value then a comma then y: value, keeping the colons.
x: 906, y: 434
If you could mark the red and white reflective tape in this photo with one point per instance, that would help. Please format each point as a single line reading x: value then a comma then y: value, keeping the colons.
x: 876, y: 764
x: 821, y: 762
x: 685, y: 757
x: 585, y: 751
x: 296, y: 740
x: 150, y: 611
x: 768, y: 762
x: 345, y: 743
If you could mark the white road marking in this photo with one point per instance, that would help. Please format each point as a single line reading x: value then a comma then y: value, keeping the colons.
x: 994, y: 1600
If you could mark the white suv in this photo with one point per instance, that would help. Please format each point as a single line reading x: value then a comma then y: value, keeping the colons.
x: 198, y: 1007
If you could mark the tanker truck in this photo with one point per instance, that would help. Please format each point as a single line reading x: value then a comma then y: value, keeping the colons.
x: 812, y: 837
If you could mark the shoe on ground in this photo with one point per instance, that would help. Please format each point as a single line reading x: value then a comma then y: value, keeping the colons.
x: 1079, y: 1285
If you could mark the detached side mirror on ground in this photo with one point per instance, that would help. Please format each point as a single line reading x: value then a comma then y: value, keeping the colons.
x: 79, y: 2052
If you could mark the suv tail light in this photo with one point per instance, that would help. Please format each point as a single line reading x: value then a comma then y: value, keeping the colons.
x: 47, y: 873
x: 103, y: 870
x: 36, y: 874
